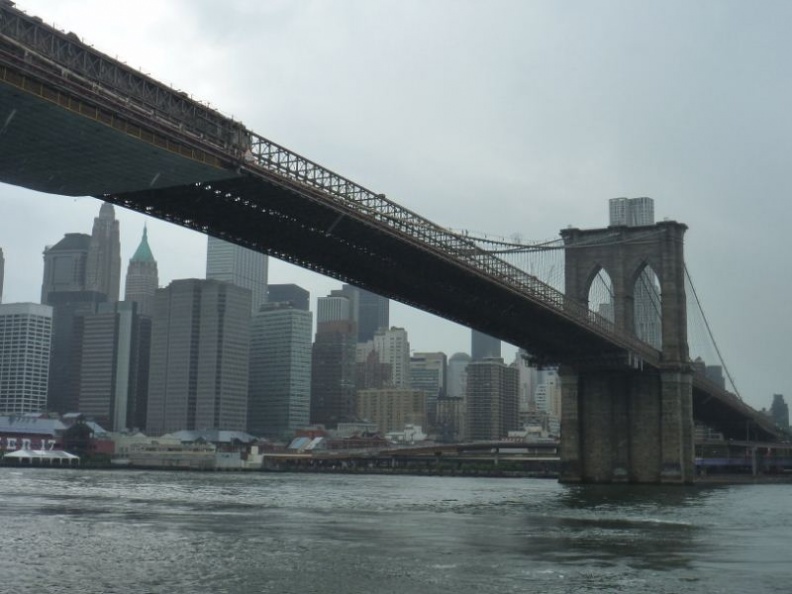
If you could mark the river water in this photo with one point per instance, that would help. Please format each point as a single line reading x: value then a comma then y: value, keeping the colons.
x: 178, y: 532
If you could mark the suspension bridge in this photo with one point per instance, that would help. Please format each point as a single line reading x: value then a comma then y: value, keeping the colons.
x: 76, y: 122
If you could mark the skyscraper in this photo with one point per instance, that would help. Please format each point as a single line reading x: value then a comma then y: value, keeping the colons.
x: 336, y: 307
x: 393, y: 347
x: 65, y: 265
x: 456, y: 385
x: 279, y: 400
x: 779, y: 411
x: 114, y: 366
x: 547, y: 400
x: 68, y: 311
x: 492, y: 395
x: 631, y: 212
x: 25, y: 333
x: 200, y: 343
x: 80, y: 271
x: 372, y: 311
x: 333, y: 362
x: 295, y: 295
x: 239, y: 266
x: 142, y: 279
x: 483, y: 346
x: 103, y: 271
x: 527, y: 375
x: 428, y: 374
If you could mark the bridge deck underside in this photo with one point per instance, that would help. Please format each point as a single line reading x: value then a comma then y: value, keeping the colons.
x: 293, y: 226
x: 734, y: 419
x: 50, y: 149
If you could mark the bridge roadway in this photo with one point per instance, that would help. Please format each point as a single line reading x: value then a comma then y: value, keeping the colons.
x: 76, y: 122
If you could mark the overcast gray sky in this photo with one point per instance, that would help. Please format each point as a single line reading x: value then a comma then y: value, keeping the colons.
x: 498, y: 117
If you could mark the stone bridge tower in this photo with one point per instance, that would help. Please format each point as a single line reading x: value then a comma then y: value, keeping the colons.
x: 620, y: 422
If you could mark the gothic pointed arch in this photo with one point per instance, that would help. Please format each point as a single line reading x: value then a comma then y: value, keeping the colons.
x: 598, y: 292
x: 647, y: 306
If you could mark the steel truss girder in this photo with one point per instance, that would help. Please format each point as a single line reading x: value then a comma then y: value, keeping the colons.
x: 308, y: 231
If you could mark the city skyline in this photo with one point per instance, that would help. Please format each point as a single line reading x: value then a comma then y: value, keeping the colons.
x: 519, y: 153
x: 141, y: 250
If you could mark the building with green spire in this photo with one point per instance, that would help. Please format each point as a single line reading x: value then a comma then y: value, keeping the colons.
x: 142, y: 278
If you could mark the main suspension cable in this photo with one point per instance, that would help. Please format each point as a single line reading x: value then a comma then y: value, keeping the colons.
x: 709, y: 331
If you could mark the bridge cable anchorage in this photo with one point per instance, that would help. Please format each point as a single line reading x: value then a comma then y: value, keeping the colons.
x: 709, y: 331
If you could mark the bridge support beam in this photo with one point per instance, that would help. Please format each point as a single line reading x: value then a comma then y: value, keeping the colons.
x: 626, y: 427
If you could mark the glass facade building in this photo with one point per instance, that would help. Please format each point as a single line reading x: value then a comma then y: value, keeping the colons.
x: 25, y: 337
x: 279, y: 398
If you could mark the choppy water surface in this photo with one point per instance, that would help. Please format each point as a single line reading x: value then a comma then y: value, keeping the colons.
x: 125, y: 531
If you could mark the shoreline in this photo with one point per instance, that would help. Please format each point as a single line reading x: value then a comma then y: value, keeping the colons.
x: 703, y: 480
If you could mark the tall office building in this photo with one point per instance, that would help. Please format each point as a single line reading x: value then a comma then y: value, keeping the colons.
x: 239, y: 266
x: 2, y: 273
x: 547, y: 399
x: 456, y: 384
x: 336, y: 307
x: 142, y: 278
x: 200, y: 346
x: 492, y: 395
x: 25, y: 334
x: 393, y: 347
x: 372, y: 311
x: 428, y: 374
x: 114, y: 366
x: 294, y: 295
x: 333, y: 362
x: 631, y: 212
x: 779, y: 411
x: 68, y: 311
x: 527, y: 378
x: 279, y: 398
x: 103, y: 267
x: 65, y: 265
x: 484, y: 346
x: 64, y: 287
